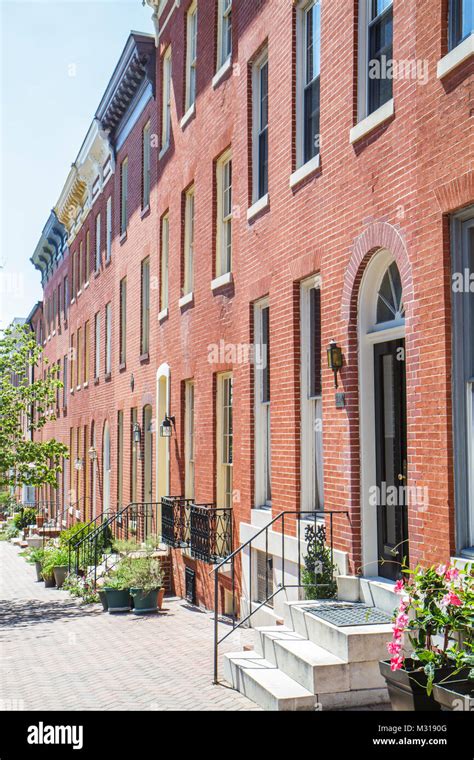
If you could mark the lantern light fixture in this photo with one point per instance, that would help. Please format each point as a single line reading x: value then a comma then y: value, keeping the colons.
x: 166, y: 428
x: 334, y: 359
x: 92, y: 454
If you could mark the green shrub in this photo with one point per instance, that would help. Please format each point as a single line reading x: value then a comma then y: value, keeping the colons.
x: 318, y: 572
x: 35, y: 554
x: 145, y: 574
x: 11, y: 532
x: 53, y: 557
x: 25, y: 518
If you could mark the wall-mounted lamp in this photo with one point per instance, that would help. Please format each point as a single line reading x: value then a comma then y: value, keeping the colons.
x: 334, y: 359
x: 166, y: 428
x: 137, y: 433
x: 78, y: 463
x: 92, y: 454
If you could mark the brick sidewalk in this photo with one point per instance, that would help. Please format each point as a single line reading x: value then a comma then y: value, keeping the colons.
x: 57, y: 655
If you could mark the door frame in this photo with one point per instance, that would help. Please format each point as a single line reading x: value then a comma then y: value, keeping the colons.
x: 367, y: 338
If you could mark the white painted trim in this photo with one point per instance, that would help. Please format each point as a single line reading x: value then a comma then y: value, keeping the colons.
x: 455, y: 57
x: 224, y: 279
x: 188, y: 116
x: 163, y: 314
x: 372, y: 121
x: 163, y: 151
x: 304, y: 171
x: 258, y: 206
x: 221, y: 72
x: 184, y: 300
x: 260, y: 412
x: 190, y: 14
x: 256, y: 68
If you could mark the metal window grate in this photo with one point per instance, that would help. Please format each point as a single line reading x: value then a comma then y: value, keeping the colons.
x: 344, y: 614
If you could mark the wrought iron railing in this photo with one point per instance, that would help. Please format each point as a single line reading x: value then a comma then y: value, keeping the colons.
x: 76, y: 539
x: 289, y: 524
x: 204, y: 529
x: 175, y: 521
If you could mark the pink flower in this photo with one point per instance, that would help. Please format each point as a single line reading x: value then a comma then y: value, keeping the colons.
x: 403, y: 605
x: 396, y: 663
x: 394, y: 647
x: 399, y: 587
x: 397, y: 632
x: 402, y: 620
x: 452, y: 574
x: 441, y: 569
x: 452, y: 599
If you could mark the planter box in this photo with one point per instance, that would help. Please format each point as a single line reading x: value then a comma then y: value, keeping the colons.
x: 407, y: 687
x: 103, y: 600
x: 144, y: 601
x: 39, y: 574
x: 458, y: 695
x: 49, y: 582
x: 117, y: 600
x: 60, y: 574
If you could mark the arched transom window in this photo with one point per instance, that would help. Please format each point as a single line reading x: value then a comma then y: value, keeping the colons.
x: 390, y: 306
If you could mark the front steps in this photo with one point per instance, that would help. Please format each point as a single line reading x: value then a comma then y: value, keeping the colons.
x: 309, y: 663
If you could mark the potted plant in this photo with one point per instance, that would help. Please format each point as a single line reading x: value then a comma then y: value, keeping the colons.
x: 35, y: 557
x: 146, y: 585
x: 117, y: 588
x: 457, y: 695
x: 61, y: 566
x: 39, y: 520
x: 435, y: 615
x: 317, y: 575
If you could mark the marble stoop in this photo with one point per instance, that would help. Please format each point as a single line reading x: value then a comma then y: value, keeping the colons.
x: 309, y: 663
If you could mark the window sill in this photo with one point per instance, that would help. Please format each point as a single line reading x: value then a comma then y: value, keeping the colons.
x: 455, y: 57
x: 108, y: 377
x: 78, y: 387
x: 54, y: 333
x: 185, y: 300
x: 163, y: 151
x: 220, y: 74
x: 145, y: 358
x: 79, y: 293
x: 108, y: 263
x: 96, y: 273
x: 371, y: 122
x: 73, y: 300
x: 86, y: 384
x: 122, y: 366
x: 96, y: 380
x: 145, y: 211
x: 257, y: 207
x: 223, y: 279
x: 305, y: 171
x: 163, y: 315
x: 190, y: 113
x: 123, y: 237
x: 71, y: 391
x: 86, y: 285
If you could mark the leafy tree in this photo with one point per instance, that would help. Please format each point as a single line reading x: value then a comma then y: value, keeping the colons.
x: 26, y: 405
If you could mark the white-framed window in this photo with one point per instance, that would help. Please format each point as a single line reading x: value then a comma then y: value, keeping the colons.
x: 263, y: 448
x: 97, y: 243
x: 145, y: 307
x: 97, y: 345
x: 123, y: 322
x: 375, y: 81
x: 224, y: 32
x: 189, y: 439
x: 191, y: 53
x: 260, y: 126
x: 124, y: 196
x: 312, y: 484
x: 188, y: 279
x: 308, y: 41
x: 461, y: 21
x: 108, y: 338
x: 164, y: 263
x: 224, y: 430
x: 146, y: 165
x: 108, y: 243
x: 224, y: 215
x: 166, y: 100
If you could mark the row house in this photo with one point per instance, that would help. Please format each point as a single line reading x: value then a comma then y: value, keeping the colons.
x: 264, y: 185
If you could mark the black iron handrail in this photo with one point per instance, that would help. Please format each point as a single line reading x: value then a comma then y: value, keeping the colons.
x: 78, y: 535
x: 315, y: 515
x: 204, y: 529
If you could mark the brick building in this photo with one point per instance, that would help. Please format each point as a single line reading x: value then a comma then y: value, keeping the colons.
x: 253, y: 187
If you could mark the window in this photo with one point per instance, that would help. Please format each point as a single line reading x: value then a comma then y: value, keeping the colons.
x: 86, y: 352
x: 108, y: 339
x: 145, y: 308
x: 224, y: 440
x: 79, y: 363
x: 164, y: 262
x: 72, y: 470
x: 312, y: 497
x: 80, y: 267
x: 134, y: 447
x: 124, y: 196
x: 264, y: 576
x: 60, y: 304
x: 263, y: 471
x: 146, y: 147
x: 189, y: 439
x: 224, y: 215
x: 191, y: 55
x: 461, y: 21
x: 66, y: 296
x: 123, y: 322
x: 72, y: 360
x: 97, y: 346
x: 119, y: 457
x: 308, y: 81
x: 260, y: 127
x: 54, y: 311
x: 65, y: 382
x: 188, y: 280
x: 97, y: 243
x: 166, y: 101
x: 87, y: 261
x: 73, y: 274
x: 380, y: 36
x: 224, y: 32
x: 108, y: 251
x: 462, y: 300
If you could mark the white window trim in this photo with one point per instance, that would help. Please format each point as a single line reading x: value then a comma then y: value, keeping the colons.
x: 189, y: 465
x: 455, y: 57
x: 223, y: 279
x: 97, y: 242
x: 221, y: 72
x: 221, y: 378
x: 185, y: 300
x: 309, y: 471
x: 305, y: 171
x: 221, y: 61
x: 189, y: 222
x: 221, y: 163
x: 372, y: 121
x: 146, y: 178
x: 108, y: 222
x: 164, y: 264
x: 108, y: 338
x: 261, y: 439
x: 300, y: 70
x: 97, y: 346
x: 259, y: 205
x: 363, y: 65
x: 188, y: 116
x: 191, y: 14
x: 166, y: 102
x: 256, y: 68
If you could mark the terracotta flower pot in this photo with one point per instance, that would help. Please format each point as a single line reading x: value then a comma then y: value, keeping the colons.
x: 39, y: 521
x: 161, y: 596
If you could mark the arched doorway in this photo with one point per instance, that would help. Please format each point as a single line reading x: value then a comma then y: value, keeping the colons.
x: 106, y: 468
x: 383, y: 425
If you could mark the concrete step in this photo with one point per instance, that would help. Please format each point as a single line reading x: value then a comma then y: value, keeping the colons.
x: 308, y: 664
x: 263, y: 683
x: 379, y: 593
x: 356, y: 643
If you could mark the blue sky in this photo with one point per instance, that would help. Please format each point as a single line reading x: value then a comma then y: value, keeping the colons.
x: 55, y: 61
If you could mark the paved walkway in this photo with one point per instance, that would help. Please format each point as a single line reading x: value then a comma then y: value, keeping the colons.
x: 57, y: 655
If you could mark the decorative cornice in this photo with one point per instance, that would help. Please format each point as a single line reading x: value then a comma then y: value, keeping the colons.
x: 51, y: 247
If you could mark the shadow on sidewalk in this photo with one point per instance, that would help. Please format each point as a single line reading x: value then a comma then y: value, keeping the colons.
x: 20, y: 613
